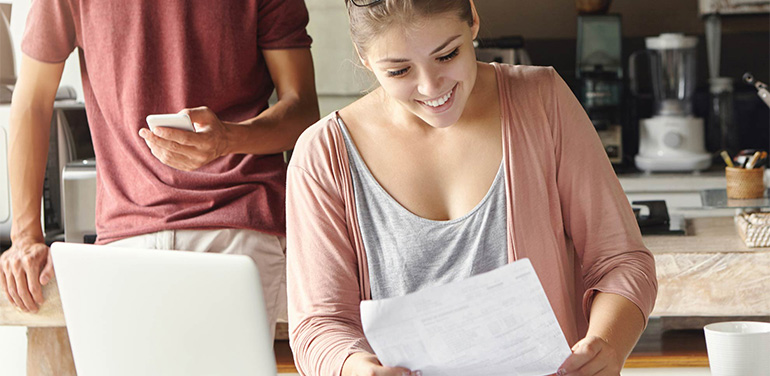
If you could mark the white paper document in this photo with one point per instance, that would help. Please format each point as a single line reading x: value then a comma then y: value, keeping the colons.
x: 496, y: 323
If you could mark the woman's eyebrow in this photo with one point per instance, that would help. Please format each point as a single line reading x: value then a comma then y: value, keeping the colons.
x: 402, y: 60
x: 441, y: 47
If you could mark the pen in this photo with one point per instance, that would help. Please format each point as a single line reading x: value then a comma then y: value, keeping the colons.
x: 726, y: 157
x: 753, y: 160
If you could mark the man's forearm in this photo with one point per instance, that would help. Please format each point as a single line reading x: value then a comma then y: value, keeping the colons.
x: 29, y: 135
x: 616, y: 320
x: 276, y: 129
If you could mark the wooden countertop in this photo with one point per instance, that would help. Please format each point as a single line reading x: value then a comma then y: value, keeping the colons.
x: 710, y: 272
x: 49, y: 315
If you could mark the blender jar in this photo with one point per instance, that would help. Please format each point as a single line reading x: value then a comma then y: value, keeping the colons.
x: 672, y: 71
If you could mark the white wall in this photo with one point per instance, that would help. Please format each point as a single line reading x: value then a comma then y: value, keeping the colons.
x: 339, y: 80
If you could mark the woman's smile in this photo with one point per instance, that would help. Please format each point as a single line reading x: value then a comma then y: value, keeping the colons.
x: 441, y: 103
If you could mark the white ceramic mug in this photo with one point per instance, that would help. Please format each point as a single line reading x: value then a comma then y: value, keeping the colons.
x: 738, y: 348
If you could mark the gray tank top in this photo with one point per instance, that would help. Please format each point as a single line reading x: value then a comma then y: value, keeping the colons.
x: 406, y: 252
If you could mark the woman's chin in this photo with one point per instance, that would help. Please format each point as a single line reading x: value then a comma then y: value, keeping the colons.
x: 440, y: 120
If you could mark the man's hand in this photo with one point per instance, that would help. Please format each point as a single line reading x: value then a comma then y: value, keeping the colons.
x: 360, y: 364
x: 24, y: 269
x: 185, y: 150
x: 592, y: 356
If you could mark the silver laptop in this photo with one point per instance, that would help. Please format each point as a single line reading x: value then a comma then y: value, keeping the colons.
x: 149, y: 312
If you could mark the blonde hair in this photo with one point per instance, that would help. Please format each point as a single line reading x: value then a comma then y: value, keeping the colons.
x: 369, y: 21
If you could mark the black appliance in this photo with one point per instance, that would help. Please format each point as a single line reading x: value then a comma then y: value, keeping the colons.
x: 599, y: 70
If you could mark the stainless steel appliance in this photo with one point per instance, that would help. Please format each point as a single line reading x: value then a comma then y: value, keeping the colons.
x: 79, y: 201
x: 600, y: 71
x: 7, y: 59
x: 672, y: 140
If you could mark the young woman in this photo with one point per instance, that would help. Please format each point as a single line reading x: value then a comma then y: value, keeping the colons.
x: 451, y: 168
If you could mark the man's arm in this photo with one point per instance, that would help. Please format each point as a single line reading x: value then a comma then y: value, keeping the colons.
x: 272, y: 131
x: 27, y: 264
x: 278, y: 128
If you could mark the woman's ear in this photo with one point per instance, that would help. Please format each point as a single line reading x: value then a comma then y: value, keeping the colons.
x: 363, y: 61
x: 475, y: 26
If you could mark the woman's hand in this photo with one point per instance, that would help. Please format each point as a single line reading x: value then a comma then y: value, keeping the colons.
x: 365, y: 364
x: 185, y: 150
x: 592, y: 356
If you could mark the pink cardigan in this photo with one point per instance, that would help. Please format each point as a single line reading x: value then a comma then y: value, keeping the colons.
x: 566, y: 212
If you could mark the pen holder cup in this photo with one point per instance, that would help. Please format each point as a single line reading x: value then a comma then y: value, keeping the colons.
x: 745, y: 183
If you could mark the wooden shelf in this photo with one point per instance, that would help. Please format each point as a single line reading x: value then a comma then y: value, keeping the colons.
x: 283, y: 357
x: 659, y: 348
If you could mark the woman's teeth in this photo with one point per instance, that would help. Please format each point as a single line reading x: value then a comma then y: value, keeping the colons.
x: 440, y: 101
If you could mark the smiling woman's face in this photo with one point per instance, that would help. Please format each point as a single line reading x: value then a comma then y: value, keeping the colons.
x: 429, y: 69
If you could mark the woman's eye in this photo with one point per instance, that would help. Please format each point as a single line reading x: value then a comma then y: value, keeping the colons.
x: 397, y: 73
x: 450, y: 56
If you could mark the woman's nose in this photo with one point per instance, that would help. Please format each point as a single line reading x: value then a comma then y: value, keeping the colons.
x: 430, y: 84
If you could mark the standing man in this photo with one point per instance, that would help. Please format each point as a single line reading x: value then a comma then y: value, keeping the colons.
x: 220, y: 189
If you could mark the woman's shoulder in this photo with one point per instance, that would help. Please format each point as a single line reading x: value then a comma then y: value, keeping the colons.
x: 317, y: 144
x: 532, y: 89
x: 525, y: 72
x: 527, y: 77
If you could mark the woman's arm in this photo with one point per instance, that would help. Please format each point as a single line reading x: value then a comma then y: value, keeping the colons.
x: 614, y: 327
x: 618, y: 272
x: 323, y: 269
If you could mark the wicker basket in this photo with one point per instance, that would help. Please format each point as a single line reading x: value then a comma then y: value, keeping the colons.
x: 745, y: 183
x: 754, y: 229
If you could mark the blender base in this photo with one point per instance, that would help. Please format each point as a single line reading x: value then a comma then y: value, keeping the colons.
x: 672, y: 143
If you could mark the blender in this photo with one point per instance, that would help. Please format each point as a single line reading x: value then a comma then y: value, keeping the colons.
x: 673, y: 139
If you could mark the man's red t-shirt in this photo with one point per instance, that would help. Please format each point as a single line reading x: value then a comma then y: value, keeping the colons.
x: 141, y: 57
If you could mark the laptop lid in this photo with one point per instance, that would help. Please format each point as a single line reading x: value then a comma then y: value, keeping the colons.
x: 149, y: 312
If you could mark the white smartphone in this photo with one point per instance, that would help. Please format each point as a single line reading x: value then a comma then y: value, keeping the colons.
x: 178, y: 121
